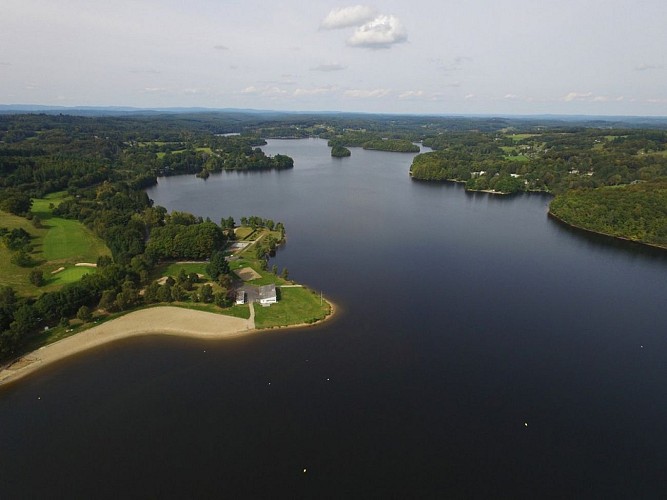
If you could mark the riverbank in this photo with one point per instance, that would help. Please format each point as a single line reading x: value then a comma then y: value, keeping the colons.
x: 162, y: 320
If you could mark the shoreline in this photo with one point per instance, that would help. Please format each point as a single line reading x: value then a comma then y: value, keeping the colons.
x: 158, y: 320
x: 605, y: 235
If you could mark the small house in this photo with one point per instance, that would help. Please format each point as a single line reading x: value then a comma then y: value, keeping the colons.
x: 267, y: 295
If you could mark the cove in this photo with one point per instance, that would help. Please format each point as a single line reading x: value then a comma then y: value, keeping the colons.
x: 481, y: 350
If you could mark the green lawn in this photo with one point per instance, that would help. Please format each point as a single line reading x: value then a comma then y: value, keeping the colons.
x: 65, y: 239
x: 238, y: 311
x: 68, y: 275
x: 296, y: 306
x: 242, y: 233
x: 173, y: 269
x: 521, y: 137
x: 58, y: 243
x: 519, y: 158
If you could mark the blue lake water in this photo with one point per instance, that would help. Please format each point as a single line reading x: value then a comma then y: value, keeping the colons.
x: 480, y: 350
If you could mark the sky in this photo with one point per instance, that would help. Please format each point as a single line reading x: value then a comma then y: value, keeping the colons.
x: 591, y: 57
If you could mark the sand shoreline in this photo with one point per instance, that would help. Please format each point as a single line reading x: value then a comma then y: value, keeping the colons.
x: 166, y: 320
x: 159, y: 320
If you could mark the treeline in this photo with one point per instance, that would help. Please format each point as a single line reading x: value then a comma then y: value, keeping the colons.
x: 216, y: 154
x: 637, y: 212
x: 547, y: 161
x: 373, y: 141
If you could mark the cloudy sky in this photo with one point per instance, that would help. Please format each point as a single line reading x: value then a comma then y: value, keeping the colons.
x: 420, y: 56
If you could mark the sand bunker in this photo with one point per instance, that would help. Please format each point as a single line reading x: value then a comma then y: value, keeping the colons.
x: 247, y: 274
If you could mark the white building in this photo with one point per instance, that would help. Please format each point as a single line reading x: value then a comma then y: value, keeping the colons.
x: 267, y: 295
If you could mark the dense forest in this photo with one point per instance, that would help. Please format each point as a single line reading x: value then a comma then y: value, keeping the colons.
x: 636, y: 211
x: 608, y: 177
x: 607, y: 180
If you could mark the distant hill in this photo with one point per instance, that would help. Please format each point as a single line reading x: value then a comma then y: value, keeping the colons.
x: 655, y: 122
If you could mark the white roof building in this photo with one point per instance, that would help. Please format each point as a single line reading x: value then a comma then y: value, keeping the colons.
x: 267, y: 295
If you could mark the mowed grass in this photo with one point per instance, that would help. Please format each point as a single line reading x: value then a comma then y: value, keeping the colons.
x: 66, y: 239
x: 58, y: 243
x: 521, y: 137
x: 174, y: 268
x: 296, y: 306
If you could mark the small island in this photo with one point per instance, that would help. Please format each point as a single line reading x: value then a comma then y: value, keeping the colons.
x: 338, y: 151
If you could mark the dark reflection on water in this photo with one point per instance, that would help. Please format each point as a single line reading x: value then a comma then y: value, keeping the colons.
x: 594, y: 240
x: 463, y: 318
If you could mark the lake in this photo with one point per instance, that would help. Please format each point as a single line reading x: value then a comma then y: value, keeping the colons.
x: 480, y: 350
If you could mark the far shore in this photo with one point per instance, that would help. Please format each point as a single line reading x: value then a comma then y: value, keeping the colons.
x: 163, y: 320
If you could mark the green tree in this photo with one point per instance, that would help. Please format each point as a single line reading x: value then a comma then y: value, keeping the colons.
x: 22, y: 259
x: 84, y: 314
x: 108, y: 301
x: 151, y: 293
x: 222, y: 298
x: 164, y: 293
x: 206, y: 293
x: 104, y: 261
x: 217, y: 265
x: 178, y: 293
x: 37, y: 277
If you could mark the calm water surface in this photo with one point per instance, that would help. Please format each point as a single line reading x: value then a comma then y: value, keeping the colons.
x: 481, y: 350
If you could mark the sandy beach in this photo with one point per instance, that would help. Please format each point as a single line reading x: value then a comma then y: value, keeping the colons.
x: 163, y: 320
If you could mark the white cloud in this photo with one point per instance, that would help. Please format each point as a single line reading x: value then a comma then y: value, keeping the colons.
x: 469, y: 96
x: 380, y: 33
x: 220, y: 47
x: 590, y: 97
x: 347, y: 17
x: 648, y: 67
x: 511, y: 96
x: 411, y: 94
x: 152, y: 90
x: 315, y: 91
x: 266, y: 91
x: 329, y: 67
x: 577, y: 96
x: 360, y: 93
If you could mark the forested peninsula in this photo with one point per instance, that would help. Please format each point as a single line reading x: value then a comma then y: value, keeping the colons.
x: 81, y: 242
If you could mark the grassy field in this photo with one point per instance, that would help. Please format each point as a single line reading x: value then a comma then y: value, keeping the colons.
x: 521, y: 137
x: 58, y: 243
x: 519, y: 158
x: 174, y: 268
x: 161, y: 154
x: 243, y: 233
x: 68, y: 275
x: 66, y: 239
x: 296, y: 306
